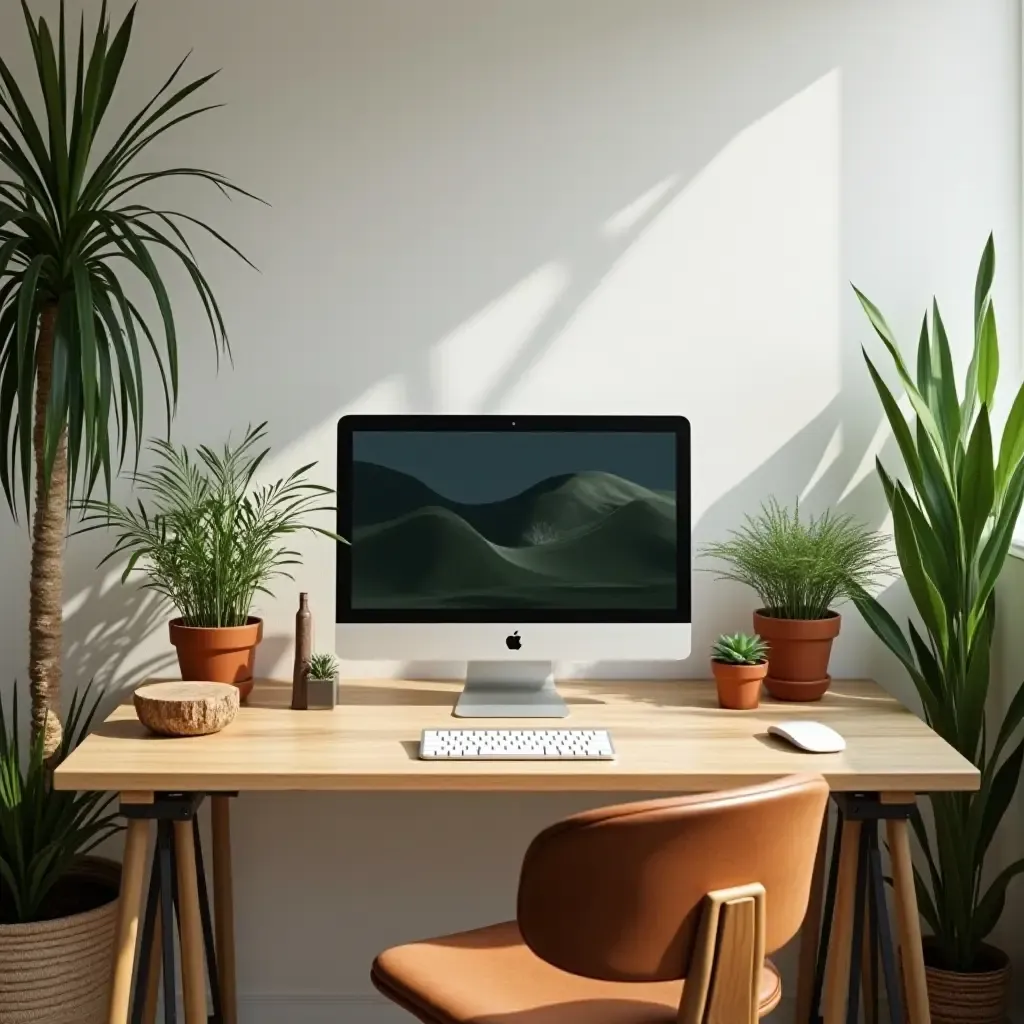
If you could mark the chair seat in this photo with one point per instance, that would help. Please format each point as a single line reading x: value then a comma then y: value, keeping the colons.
x: 490, y: 976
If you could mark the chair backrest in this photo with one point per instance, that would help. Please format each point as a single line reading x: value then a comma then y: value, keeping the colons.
x: 617, y: 893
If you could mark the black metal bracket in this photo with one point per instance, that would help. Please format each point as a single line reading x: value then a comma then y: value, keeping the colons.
x: 870, y: 912
x: 869, y: 807
x: 166, y: 809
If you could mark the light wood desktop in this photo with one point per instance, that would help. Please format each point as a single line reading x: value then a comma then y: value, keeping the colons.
x: 669, y: 737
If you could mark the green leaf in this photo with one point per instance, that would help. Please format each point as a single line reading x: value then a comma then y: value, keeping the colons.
x: 924, y: 364
x: 1013, y: 718
x: 885, y: 628
x: 990, y: 907
x: 1011, y: 448
x: 971, y: 710
x: 49, y: 80
x: 87, y: 345
x: 924, y: 414
x: 982, y: 289
x: 922, y: 589
x: 983, y: 282
x: 996, y: 548
x: 988, y: 358
x: 948, y: 411
x: 997, y: 800
x: 900, y: 429
x: 933, y: 691
x: 978, y: 489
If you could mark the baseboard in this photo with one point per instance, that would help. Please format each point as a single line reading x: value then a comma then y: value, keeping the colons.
x: 356, y: 1008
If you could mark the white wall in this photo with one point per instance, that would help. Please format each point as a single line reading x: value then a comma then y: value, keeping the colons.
x: 541, y: 206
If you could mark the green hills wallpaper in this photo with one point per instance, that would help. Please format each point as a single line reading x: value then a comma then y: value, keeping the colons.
x: 578, y: 540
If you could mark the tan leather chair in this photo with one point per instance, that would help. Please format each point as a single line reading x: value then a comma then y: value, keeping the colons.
x: 618, y: 906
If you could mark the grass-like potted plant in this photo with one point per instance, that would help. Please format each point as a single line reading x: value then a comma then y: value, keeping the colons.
x: 800, y: 569
x: 57, y: 903
x: 322, y: 681
x: 953, y: 520
x: 209, y: 542
x: 739, y: 663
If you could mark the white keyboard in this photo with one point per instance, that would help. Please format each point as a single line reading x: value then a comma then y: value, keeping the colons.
x: 516, y: 745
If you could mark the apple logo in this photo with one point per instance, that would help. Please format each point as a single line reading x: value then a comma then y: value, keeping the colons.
x: 514, y: 642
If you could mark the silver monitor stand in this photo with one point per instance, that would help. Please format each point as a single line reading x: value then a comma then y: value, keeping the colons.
x: 510, y: 689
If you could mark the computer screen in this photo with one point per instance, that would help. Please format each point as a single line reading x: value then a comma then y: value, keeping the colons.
x: 458, y: 523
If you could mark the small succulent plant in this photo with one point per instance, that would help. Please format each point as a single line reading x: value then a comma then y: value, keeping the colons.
x: 322, y: 666
x: 740, y: 649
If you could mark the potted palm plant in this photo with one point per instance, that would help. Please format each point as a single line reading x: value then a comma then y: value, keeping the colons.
x: 739, y: 663
x: 57, y: 903
x: 73, y: 233
x: 800, y: 569
x: 74, y: 229
x: 209, y: 542
x: 953, y: 520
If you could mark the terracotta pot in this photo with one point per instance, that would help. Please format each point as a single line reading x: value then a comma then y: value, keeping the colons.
x: 739, y: 686
x: 58, y: 971
x: 799, y: 650
x: 979, y: 997
x: 223, y: 655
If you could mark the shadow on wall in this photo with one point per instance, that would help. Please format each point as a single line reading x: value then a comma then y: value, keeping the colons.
x: 634, y: 210
x: 106, y: 626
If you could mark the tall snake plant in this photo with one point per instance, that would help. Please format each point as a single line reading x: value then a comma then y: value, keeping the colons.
x: 953, y: 517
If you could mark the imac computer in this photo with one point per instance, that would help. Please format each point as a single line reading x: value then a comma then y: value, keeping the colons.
x: 512, y: 543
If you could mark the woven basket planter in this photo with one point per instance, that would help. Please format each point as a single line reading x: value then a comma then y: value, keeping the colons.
x: 58, y: 972
x: 977, y: 998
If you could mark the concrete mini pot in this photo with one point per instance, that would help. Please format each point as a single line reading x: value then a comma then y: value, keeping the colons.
x: 799, y: 652
x: 226, y: 654
x: 739, y: 686
x: 321, y: 694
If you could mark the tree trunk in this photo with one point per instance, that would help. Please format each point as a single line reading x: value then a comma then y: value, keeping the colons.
x: 49, y: 524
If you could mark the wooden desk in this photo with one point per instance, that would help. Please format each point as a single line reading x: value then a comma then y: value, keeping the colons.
x: 669, y: 737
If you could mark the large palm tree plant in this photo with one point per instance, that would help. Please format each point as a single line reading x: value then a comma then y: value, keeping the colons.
x: 72, y: 335
x: 953, y: 521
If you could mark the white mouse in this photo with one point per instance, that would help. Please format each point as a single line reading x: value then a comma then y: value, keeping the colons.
x: 812, y: 737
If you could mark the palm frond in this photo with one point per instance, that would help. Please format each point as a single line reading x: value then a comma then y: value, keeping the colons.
x: 209, y: 540
x: 66, y: 245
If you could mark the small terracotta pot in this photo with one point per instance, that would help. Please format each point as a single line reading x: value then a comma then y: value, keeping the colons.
x: 739, y: 686
x: 223, y: 655
x: 799, y: 650
x: 979, y: 997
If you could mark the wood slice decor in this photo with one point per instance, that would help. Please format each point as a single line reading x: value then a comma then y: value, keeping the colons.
x: 186, y: 708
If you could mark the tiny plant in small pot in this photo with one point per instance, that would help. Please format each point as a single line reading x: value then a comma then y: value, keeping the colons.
x: 322, y: 681
x: 800, y: 569
x: 739, y: 663
x: 209, y: 542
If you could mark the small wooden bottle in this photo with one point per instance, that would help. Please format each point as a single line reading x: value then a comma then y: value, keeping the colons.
x: 303, y: 652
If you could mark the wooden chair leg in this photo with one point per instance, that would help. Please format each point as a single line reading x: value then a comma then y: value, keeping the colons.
x: 133, y: 876
x: 193, y: 968
x: 840, y: 950
x: 224, y: 906
x: 723, y: 980
x: 155, y: 964
x: 908, y: 923
x: 810, y: 932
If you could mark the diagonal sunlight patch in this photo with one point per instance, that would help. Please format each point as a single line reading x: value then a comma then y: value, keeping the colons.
x: 633, y: 213
x: 726, y: 307
x: 477, y: 353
